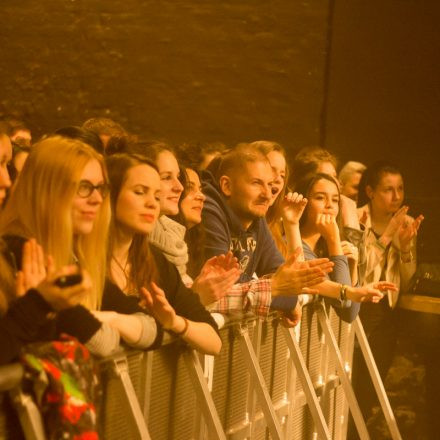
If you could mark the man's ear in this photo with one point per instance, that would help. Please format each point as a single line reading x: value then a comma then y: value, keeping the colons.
x: 225, y: 185
x: 369, y: 191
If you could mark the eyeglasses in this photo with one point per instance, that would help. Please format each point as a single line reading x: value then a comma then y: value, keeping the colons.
x: 86, y: 188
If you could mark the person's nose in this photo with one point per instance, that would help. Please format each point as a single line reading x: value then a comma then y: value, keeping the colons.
x: 151, y: 202
x: 267, y: 191
x: 95, y: 198
x: 5, y: 180
x: 177, y: 186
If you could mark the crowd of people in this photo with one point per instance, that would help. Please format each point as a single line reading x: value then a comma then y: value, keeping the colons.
x: 112, y: 239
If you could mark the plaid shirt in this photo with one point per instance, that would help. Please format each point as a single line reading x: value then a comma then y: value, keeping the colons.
x: 254, y: 296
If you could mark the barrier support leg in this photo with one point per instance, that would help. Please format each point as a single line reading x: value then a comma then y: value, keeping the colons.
x: 307, y: 385
x: 376, y: 379
x: 204, y: 397
x: 28, y: 414
x: 259, y: 384
x: 120, y: 368
x: 345, y: 381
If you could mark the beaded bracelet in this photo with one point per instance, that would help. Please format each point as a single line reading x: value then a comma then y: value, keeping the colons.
x: 343, y: 292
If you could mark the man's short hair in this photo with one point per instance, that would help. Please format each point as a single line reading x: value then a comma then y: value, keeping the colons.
x: 104, y: 126
x: 236, y: 159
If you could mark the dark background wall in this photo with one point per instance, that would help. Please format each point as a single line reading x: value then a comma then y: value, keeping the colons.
x: 184, y: 70
x: 383, y: 96
x: 361, y: 78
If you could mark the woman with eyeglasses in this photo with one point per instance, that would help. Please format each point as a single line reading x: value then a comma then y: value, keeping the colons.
x: 61, y: 200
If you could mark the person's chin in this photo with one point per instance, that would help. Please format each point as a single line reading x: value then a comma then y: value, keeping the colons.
x: 260, y: 212
x: 169, y: 210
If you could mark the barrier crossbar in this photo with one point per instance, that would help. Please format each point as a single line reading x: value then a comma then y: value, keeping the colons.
x: 265, y: 383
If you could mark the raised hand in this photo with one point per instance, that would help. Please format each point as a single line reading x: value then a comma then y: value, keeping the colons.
x: 33, y: 269
x: 64, y: 297
x: 407, y: 232
x: 327, y: 227
x: 371, y: 292
x: 159, y: 307
x: 295, y: 277
x: 217, y: 276
x: 293, y: 207
x: 394, y: 225
x: 350, y: 251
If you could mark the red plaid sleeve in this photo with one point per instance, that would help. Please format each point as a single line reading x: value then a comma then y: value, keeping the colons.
x: 253, y: 296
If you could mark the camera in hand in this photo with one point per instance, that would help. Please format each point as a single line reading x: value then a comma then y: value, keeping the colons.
x: 68, y: 280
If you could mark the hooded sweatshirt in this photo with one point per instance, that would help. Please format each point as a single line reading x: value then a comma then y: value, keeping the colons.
x: 254, y: 248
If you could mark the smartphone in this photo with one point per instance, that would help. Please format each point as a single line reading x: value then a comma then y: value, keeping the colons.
x: 68, y: 280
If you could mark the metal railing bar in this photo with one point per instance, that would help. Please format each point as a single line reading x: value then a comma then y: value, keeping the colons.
x: 120, y: 368
x: 259, y: 384
x: 376, y: 379
x: 307, y: 386
x: 28, y: 414
x: 345, y: 381
x: 204, y: 397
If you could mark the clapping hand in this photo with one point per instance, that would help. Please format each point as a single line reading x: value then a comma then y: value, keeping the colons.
x: 295, y: 277
x: 217, y: 276
x: 408, y: 231
x: 159, y: 307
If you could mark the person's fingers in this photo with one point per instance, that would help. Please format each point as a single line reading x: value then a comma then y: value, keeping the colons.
x: 147, y: 297
x: 40, y: 254
x: 292, y: 258
x: 417, y: 222
x: 313, y: 281
x: 309, y: 291
x: 318, y: 262
x: 20, y: 287
x: 65, y: 270
x: 157, y: 290
x: 228, y: 258
x: 50, y: 265
x: 383, y: 285
x: 26, y: 257
x: 229, y: 279
x: 323, y: 264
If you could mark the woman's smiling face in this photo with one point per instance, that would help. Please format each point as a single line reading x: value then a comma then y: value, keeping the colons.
x: 171, y: 188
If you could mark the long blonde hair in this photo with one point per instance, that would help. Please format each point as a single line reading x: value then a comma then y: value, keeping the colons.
x: 40, y: 206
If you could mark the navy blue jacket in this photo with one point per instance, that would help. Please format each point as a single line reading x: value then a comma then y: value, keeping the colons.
x: 254, y: 248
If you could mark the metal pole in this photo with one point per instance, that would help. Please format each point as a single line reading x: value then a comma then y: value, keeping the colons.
x: 307, y: 385
x: 204, y: 397
x: 260, y: 386
x: 120, y: 368
x: 376, y: 379
x: 345, y: 381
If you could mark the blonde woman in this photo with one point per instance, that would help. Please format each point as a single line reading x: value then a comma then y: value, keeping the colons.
x: 61, y: 201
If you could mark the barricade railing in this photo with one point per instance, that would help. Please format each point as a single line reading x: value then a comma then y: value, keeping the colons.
x: 267, y: 382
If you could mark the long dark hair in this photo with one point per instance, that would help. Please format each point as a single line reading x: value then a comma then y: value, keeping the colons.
x: 305, y: 187
x: 372, y: 176
x: 143, y: 268
x: 195, y: 236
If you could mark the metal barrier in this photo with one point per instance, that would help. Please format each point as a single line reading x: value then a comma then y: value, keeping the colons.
x: 266, y: 382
